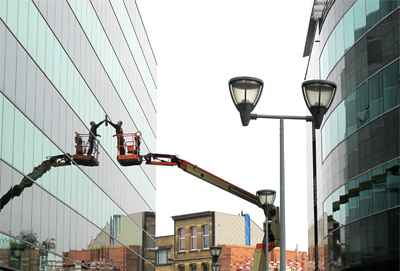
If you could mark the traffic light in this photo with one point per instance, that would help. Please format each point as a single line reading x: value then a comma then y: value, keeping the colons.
x: 274, y: 225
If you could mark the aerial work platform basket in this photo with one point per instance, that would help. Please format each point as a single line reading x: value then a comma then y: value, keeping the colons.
x: 128, y: 146
x: 87, y: 151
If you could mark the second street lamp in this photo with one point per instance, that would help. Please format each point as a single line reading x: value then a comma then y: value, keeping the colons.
x: 318, y: 95
x: 215, y: 253
x: 267, y: 198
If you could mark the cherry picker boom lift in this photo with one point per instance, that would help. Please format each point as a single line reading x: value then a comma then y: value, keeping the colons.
x: 133, y: 157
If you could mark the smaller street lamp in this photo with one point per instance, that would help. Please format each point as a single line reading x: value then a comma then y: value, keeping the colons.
x: 266, y: 198
x: 215, y: 253
x: 245, y: 92
x: 318, y: 95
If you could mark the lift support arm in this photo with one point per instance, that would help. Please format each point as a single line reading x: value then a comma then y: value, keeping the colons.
x: 173, y: 160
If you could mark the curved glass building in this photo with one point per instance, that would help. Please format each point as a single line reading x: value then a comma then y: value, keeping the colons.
x: 66, y: 203
x: 355, y: 43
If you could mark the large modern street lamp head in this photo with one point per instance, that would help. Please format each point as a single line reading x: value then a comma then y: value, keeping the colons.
x: 318, y: 95
x: 266, y: 198
x: 215, y: 252
x: 245, y: 92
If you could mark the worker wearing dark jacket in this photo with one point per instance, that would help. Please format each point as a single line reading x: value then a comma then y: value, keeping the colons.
x: 119, y: 131
x: 93, y: 134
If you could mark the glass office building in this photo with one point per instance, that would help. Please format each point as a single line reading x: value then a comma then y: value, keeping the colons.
x: 355, y: 43
x: 64, y: 64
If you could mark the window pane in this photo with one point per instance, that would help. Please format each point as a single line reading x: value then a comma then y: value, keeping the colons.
x: 348, y: 29
x: 334, y: 129
x: 375, y: 96
x: 378, y: 180
x: 351, y: 121
x: 362, y: 105
x: 341, y: 121
x: 372, y: 10
x: 360, y: 22
x: 339, y: 40
x: 332, y: 51
x: 391, y: 91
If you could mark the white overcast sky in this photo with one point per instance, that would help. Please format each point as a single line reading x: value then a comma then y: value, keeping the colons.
x: 199, y: 47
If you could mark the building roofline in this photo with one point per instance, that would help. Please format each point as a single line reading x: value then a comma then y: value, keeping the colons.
x: 192, y: 215
x: 318, y: 13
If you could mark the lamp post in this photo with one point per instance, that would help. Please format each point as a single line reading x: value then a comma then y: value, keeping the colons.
x: 266, y: 198
x: 215, y: 252
x: 318, y: 95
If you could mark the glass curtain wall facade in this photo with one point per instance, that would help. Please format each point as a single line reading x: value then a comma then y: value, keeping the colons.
x: 356, y: 44
x: 64, y: 64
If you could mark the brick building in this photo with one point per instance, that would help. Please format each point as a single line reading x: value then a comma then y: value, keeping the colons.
x: 194, y: 234
x: 188, y: 248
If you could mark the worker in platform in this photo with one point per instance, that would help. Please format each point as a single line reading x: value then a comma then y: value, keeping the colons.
x: 119, y: 131
x: 93, y: 134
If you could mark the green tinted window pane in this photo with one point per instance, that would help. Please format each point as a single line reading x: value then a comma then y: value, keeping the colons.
x: 8, y: 131
x: 387, y: 6
x: 343, y: 203
x: 61, y: 183
x: 351, y: 113
x: 74, y: 186
x: 341, y: 111
x: 67, y: 185
x: 360, y: 23
x: 41, y: 43
x: 23, y: 22
x: 19, y: 132
x: 362, y: 105
x: 391, y: 91
x: 378, y: 189
x: 373, y: 14
x: 3, y: 10
x: 28, y: 146
x: 32, y: 30
x: 57, y: 62
x: 334, y: 129
x: 348, y: 29
x: 324, y: 62
x: 64, y: 74
x: 375, y: 96
x: 354, y: 204
x: 332, y: 51
x: 38, y: 148
x: 49, y: 54
x: 335, y: 209
x: 12, y: 16
x: 365, y: 186
x: 339, y: 34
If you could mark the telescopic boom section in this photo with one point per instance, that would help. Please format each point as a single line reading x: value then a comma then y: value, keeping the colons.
x: 173, y: 160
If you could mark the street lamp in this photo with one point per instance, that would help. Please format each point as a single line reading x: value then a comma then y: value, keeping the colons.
x: 266, y: 198
x: 318, y: 95
x: 215, y: 252
x: 245, y: 92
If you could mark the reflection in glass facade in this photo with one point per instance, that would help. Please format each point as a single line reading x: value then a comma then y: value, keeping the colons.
x: 64, y: 64
x: 357, y: 45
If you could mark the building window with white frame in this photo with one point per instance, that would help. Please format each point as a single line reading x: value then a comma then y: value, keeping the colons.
x: 193, y: 238
x: 181, y: 267
x: 205, y: 267
x: 206, y: 236
x: 162, y: 256
x: 181, y: 232
x: 193, y: 267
